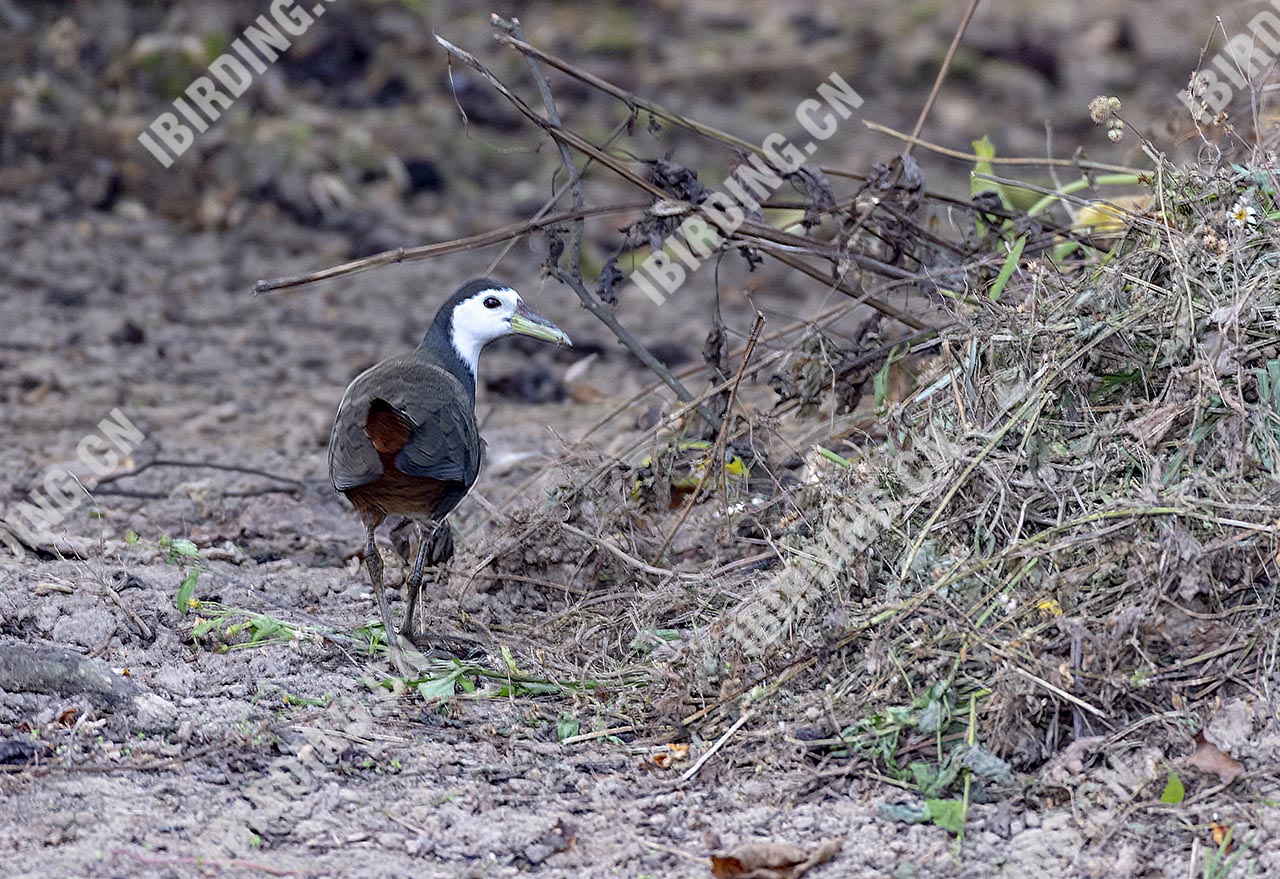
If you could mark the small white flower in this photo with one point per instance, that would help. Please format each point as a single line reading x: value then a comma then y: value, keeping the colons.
x: 1243, y: 213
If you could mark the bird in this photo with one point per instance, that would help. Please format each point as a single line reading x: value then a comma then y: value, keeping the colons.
x: 405, y: 440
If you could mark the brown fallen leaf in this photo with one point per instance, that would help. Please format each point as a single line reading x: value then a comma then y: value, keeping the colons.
x: 1071, y: 758
x: 1151, y: 428
x: 772, y: 860
x: 1209, y: 758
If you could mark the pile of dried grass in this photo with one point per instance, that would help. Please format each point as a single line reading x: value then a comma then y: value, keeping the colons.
x: 1070, y: 530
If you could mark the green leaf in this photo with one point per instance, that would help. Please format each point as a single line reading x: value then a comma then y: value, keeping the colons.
x: 880, y: 384
x: 438, y: 688
x: 905, y: 813
x: 834, y: 457
x: 204, y: 628
x: 509, y: 660
x: 1006, y: 270
x: 566, y: 727
x: 947, y: 814
x: 985, y: 150
x: 933, y: 779
x: 985, y: 764
x: 925, y: 776
x: 183, y: 548
x: 187, y: 591
x: 130, y: 538
x: 1174, y: 792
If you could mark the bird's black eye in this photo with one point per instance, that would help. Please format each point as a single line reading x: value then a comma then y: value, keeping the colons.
x: 492, y: 302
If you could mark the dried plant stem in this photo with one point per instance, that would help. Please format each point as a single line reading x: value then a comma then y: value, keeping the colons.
x: 942, y: 73
x: 912, y: 140
x: 621, y: 555
x: 719, y: 743
x: 572, y: 276
x: 629, y: 98
x: 560, y: 193
x: 843, y: 286
x: 715, y: 463
x: 427, y: 251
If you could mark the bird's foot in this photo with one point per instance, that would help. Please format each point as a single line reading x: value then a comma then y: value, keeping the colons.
x: 409, y: 662
x: 436, y: 646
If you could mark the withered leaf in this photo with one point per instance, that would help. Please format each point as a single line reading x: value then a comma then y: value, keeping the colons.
x: 1209, y: 758
x: 1151, y: 428
x: 1072, y: 756
x: 772, y: 860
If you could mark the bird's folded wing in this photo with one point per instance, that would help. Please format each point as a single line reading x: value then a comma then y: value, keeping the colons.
x: 443, y: 442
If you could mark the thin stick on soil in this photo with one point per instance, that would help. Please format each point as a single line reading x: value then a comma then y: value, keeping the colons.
x: 598, y: 734
x: 204, y: 465
x: 720, y: 743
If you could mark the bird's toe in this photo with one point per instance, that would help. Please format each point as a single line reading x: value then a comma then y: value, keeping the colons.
x: 410, y: 662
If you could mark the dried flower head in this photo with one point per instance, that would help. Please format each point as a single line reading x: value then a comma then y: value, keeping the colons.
x: 1098, y: 111
x: 1103, y: 107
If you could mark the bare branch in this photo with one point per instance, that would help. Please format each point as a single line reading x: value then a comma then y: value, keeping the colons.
x: 427, y: 251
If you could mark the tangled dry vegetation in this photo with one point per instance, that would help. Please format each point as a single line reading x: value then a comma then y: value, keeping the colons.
x: 1068, y: 529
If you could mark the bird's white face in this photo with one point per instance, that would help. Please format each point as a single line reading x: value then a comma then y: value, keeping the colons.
x: 493, y: 313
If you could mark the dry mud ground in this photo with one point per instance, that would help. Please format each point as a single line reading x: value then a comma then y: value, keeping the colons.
x: 289, y: 759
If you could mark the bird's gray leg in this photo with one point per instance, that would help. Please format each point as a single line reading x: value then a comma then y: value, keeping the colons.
x: 414, y: 584
x: 435, y: 547
x: 407, y: 663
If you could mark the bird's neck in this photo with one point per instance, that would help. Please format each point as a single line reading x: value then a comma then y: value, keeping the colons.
x: 461, y: 360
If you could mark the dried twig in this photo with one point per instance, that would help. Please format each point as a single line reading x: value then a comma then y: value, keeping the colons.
x: 912, y: 140
x: 427, y: 251
x: 942, y: 73
x: 719, y: 743
x: 715, y: 463
x: 632, y: 100
x: 203, y: 465
x: 623, y: 556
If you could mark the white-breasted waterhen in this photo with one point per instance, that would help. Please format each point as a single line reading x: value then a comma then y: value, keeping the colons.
x: 405, y: 440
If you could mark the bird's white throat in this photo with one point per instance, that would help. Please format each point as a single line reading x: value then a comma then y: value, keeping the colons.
x: 475, y: 326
